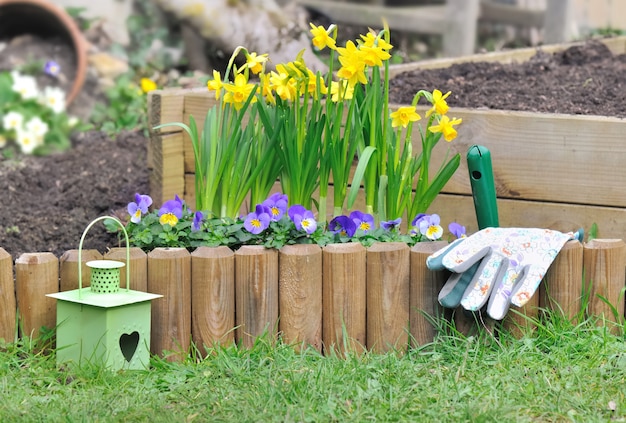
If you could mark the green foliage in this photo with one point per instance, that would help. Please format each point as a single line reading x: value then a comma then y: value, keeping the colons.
x: 125, y: 108
x: 561, y: 372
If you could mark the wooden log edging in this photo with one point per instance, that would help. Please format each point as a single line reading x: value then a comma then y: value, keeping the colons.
x: 340, y: 297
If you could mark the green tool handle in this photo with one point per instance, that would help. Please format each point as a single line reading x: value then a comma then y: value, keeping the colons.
x: 483, y: 186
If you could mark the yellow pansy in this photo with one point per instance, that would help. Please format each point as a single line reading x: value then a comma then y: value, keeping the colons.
x: 321, y: 39
x: 439, y: 103
x: 446, y: 127
x: 403, y: 116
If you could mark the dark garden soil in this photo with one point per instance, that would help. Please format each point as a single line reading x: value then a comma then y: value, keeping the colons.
x: 48, y: 201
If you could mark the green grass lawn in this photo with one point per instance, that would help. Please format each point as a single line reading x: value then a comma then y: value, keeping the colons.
x: 560, y: 372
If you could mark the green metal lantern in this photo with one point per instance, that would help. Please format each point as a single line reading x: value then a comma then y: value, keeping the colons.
x: 102, y: 324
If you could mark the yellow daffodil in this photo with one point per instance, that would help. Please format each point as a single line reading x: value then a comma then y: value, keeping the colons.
x: 403, y: 116
x: 282, y: 83
x: 439, y: 103
x: 321, y: 37
x: 372, y: 40
x: 446, y: 127
x: 352, y: 64
x: 255, y: 62
x: 148, y: 85
x: 341, y: 91
x: 238, y: 93
x: 374, y: 56
x: 216, y: 84
x: 266, y: 89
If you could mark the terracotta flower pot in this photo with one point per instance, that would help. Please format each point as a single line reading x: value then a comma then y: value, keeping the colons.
x: 45, y: 19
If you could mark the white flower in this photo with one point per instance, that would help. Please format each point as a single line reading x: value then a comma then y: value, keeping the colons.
x: 54, y: 98
x: 72, y: 121
x: 13, y: 120
x: 27, y: 141
x: 37, y: 127
x: 24, y: 85
x: 3, y: 141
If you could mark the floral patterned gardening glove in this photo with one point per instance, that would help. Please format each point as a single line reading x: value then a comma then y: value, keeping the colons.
x: 502, y: 265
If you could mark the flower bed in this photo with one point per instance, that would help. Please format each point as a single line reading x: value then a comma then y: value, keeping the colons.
x: 538, y: 158
x: 381, y: 296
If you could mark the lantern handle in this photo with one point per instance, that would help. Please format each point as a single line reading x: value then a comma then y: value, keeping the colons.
x: 80, y: 248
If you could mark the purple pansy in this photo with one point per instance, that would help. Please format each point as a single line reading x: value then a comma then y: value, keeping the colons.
x: 457, y: 230
x: 52, y: 68
x: 362, y: 221
x: 138, y: 208
x: 390, y: 225
x: 258, y: 220
x: 277, y: 203
x: 342, y: 225
x: 198, y: 217
x: 305, y: 222
x: 430, y: 228
x: 294, y: 210
x: 416, y: 219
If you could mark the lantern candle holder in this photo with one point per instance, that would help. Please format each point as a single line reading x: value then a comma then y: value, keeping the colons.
x: 103, y: 324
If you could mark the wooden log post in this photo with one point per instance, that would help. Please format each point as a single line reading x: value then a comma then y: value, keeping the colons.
x: 300, y: 295
x: 604, y: 267
x: 213, y: 297
x: 256, y: 293
x: 388, y: 293
x: 36, y: 274
x: 424, y: 291
x: 138, y: 267
x: 8, y: 307
x: 68, y: 268
x: 169, y: 274
x: 520, y: 321
x: 344, y: 297
x: 562, y: 287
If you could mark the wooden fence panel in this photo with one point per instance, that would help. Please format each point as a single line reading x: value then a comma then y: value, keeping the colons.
x: 138, y: 267
x: 8, y: 307
x: 68, y: 268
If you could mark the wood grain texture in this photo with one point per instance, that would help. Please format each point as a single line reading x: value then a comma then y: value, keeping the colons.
x: 256, y: 293
x: 562, y: 288
x: 344, y: 297
x: 36, y: 274
x: 138, y: 267
x: 388, y: 294
x: 424, y: 290
x: 68, y: 268
x: 300, y: 295
x: 169, y: 274
x: 213, y: 299
x: 604, y: 264
x: 8, y: 306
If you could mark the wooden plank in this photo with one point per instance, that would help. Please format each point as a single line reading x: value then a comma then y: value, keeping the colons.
x: 68, y: 268
x: 300, y: 295
x: 421, y: 20
x: 8, y: 307
x: 213, y: 300
x: 604, y: 264
x: 459, y: 36
x: 542, y: 156
x: 256, y: 293
x: 388, y: 288
x: 611, y: 221
x: 169, y: 274
x: 36, y: 274
x: 559, y: 21
x: 509, y: 14
x: 344, y: 297
x: 165, y: 106
x: 617, y: 45
x: 167, y: 175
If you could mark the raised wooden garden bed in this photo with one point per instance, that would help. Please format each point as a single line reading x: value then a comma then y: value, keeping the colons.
x: 551, y: 170
x: 382, y: 297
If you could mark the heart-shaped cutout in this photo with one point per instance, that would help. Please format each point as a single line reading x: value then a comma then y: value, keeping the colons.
x: 128, y: 344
